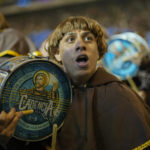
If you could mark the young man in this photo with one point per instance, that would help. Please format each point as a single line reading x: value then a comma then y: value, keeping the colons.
x: 105, y: 114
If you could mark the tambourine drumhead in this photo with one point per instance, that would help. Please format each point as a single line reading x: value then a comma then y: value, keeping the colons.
x: 36, y: 84
x: 125, y: 53
x: 118, y: 58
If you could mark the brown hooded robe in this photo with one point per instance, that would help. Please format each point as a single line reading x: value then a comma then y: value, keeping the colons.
x: 105, y: 115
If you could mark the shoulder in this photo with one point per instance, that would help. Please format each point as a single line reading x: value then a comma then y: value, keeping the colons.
x: 118, y: 91
x: 101, y: 77
x: 120, y: 98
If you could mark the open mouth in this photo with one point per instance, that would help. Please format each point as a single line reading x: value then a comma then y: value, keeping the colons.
x: 82, y: 60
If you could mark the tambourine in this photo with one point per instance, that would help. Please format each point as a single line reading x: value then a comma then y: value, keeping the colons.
x: 125, y: 52
x: 38, y: 84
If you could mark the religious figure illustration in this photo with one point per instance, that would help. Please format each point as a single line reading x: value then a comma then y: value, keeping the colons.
x: 43, y: 100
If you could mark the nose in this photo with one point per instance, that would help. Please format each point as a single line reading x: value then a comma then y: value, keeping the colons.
x: 80, y: 45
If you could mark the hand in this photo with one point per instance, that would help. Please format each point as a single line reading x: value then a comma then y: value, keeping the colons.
x: 8, y: 123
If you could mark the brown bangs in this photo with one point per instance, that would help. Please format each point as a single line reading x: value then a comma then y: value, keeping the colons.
x: 76, y: 23
x: 81, y: 23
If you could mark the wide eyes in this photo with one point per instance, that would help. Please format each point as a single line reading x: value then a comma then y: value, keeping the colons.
x: 88, y: 38
x: 71, y: 39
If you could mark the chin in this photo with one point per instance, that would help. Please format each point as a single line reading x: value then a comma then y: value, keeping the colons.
x: 82, y: 75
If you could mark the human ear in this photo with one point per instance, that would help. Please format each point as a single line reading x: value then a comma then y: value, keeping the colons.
x: 57, y: 56
x: 98, y: 56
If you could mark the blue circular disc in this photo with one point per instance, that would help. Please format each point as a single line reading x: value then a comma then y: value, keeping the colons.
x: 40, y: 85
x: 118, y: 59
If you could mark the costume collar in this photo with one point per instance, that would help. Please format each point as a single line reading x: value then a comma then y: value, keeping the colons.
x: 100, y: 77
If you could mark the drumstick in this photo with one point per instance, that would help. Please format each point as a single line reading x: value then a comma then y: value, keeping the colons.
x: 26, y: 112
x: 54, y: 136
x: 132, y: 84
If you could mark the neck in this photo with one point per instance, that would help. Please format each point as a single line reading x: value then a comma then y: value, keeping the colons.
x: 80, y: 81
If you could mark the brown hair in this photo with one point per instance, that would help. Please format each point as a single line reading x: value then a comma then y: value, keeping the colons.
x: 3, y: 22
x: 72, y: 23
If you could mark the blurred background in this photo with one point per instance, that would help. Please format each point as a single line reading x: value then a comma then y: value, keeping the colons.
x: 37, y: 18
x: 128, y: 55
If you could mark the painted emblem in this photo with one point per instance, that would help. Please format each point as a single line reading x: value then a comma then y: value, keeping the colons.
x: 119, y: 58
x: 42, y: 86
x: 125, y: 52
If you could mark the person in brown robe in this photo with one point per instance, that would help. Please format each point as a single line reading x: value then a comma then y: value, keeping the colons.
x: 105, y: 114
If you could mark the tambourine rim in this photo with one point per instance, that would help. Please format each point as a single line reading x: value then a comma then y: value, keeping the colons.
x: 122, y: 37
x: 119, y: 39
x: 41, y: 139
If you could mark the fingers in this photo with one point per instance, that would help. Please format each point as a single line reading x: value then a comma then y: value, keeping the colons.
x: 2, y: 117
x: 5, y: 118
x: 8, y: 123
x: 13, y: 123
x: 11, y: 115
x: 10, y: 128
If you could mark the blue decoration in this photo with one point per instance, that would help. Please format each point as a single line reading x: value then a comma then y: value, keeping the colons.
x: 23, y: 89
x: 125, y: 53
x: 116, y: 59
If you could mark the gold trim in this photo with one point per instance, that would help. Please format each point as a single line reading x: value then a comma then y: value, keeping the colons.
x: 143, y: 146
x: 47, y: 75
x: 9, y: 52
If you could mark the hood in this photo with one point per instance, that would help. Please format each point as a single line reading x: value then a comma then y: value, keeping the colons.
x: 101, y: 77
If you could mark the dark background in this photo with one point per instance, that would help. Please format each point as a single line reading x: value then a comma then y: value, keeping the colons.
x: 38, y: 18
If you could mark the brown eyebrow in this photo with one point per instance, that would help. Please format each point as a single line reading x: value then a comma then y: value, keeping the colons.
x: 88, y: 33
x: 70, y: 33
x: 73, y: 33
